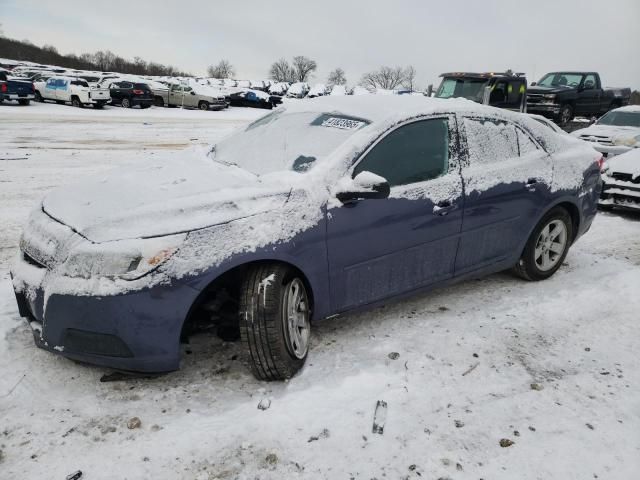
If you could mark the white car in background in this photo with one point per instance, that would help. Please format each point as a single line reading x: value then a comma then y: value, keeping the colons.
x: 616, y: 132
x: 279, y: 88
x: 298, y: 90
x: 72, y: 90
x: 318, y: 90
x: 360, y: 90
x: 621, y: 182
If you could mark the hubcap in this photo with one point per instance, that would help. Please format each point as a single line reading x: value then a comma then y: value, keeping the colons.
x: 296, y: 313
x: 550, y: 245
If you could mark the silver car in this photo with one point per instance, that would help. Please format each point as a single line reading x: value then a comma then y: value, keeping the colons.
x: 187, y: 96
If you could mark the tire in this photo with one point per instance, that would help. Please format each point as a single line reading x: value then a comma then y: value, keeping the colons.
x: 202, y: 105
x: 274, y: 347
x: 24, y: 102
x: 39, y: 97
x: 75, y: 102
x: 542, y: 244
x: 566, y: 114
x: 125, y: 103
x: 158, y: 102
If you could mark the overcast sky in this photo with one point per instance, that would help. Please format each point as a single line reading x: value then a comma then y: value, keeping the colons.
x: 435, y: 36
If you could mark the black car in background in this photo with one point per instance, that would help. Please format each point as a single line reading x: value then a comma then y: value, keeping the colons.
x: 252, y: 98
x: 129, y: 94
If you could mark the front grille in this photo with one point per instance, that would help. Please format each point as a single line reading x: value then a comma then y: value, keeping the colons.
x: 601, y: 139
x: 625, y: 177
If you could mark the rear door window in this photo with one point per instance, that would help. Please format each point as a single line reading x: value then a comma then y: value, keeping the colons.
x: 412, y: 153
x: 490, y: 140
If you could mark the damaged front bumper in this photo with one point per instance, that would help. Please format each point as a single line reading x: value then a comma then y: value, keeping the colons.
x: 135, y: 330
x: 620, y: 194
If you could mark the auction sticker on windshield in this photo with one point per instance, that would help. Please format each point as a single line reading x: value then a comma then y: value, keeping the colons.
x: 343, y: 123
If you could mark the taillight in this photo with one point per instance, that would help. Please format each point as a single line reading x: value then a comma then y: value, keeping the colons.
x: 138, y: 92
x: 601, y: 163
x: 3, y: 87
x: 33, y: 88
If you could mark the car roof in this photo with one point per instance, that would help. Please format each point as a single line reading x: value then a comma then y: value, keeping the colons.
x: 382, y: 107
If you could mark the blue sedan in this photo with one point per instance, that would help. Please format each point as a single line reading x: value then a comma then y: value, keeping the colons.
x: 315, y: 210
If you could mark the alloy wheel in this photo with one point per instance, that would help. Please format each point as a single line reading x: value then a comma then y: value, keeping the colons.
x: 296, y: 313
x: 550, y: 245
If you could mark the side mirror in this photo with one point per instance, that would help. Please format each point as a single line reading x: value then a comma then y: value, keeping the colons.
x: 192, y: 92
x: 533, y: 84
x: 365, y: 186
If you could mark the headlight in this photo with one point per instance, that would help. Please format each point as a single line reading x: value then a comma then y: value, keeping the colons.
x: 627, y: 141
x: 127, y: 259
x: 551, y: 97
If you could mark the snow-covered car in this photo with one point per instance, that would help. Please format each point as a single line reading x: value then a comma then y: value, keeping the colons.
x: 621, y: 176
x: 298, y: 90
x: 318, y: 90
x: 360, y: 90
x: 616, y: 132
x: 279, y: 88
x: 72, y: 90
x: 315, y: 210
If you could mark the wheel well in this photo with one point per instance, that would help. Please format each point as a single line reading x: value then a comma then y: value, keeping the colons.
x: 217, y: 303
x: 574, y: 213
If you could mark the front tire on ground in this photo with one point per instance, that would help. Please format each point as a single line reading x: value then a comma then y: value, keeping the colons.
x: 547, y: 246
x: 203, y: 105
x: 75, y: 102
x: 566, y: 114
x: 274, y: 321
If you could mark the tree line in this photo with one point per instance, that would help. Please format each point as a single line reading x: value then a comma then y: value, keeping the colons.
x: 103, y: 61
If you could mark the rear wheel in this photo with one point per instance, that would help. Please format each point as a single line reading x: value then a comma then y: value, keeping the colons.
x: 75, y: 102
x: 126, y: 103
x: 203, y: 105
x: 547, y: 246
x: 275, y: 318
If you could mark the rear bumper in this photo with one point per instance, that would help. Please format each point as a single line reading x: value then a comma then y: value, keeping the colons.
x: 137, y: 330
x: 141, y: 101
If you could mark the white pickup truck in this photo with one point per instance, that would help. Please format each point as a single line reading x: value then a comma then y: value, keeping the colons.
x: 72, y: 90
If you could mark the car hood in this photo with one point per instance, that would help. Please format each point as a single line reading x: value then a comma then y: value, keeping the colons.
x: 549, y: 90
x: 163, y: 199
x: 611, y: 131
x: 626, y: 163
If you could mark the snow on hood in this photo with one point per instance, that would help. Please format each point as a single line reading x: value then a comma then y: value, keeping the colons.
x: 613, y: 131
x: 162, y: 199
x: 626, y: 163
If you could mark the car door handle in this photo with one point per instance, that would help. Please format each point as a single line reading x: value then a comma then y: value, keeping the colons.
x: 443, y: 208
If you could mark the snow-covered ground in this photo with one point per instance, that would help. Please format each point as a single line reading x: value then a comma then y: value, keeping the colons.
x: 468, y: 357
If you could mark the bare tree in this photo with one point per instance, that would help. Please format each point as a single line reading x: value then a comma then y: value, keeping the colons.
x: 281, y: 71
x: 223, y: 69
x: 409, y: 80
x: 50, y: 48
x: 302, y: 67
x: 387, y: 78
x: 337, y: 77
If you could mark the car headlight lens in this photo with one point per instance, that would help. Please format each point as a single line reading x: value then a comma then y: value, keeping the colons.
x: 127, y: 259
x: 627, y: 141
x: 551, y: 97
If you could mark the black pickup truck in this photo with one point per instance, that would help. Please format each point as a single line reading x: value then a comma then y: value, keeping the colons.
x: 13, y: 89
x: 563, y: 95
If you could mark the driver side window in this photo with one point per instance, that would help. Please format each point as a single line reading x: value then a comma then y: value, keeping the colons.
x: 415, y: 152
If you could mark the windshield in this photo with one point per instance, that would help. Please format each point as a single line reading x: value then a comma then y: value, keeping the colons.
x: 469, y: 88
x: 287, y: 141
x: 621, y: 119
x: 561, y: 79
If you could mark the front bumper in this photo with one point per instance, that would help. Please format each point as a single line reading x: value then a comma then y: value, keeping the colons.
x: 620, y: 194
x: 16, y: 97
x: 137, y: 330
x: 545, y: 109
